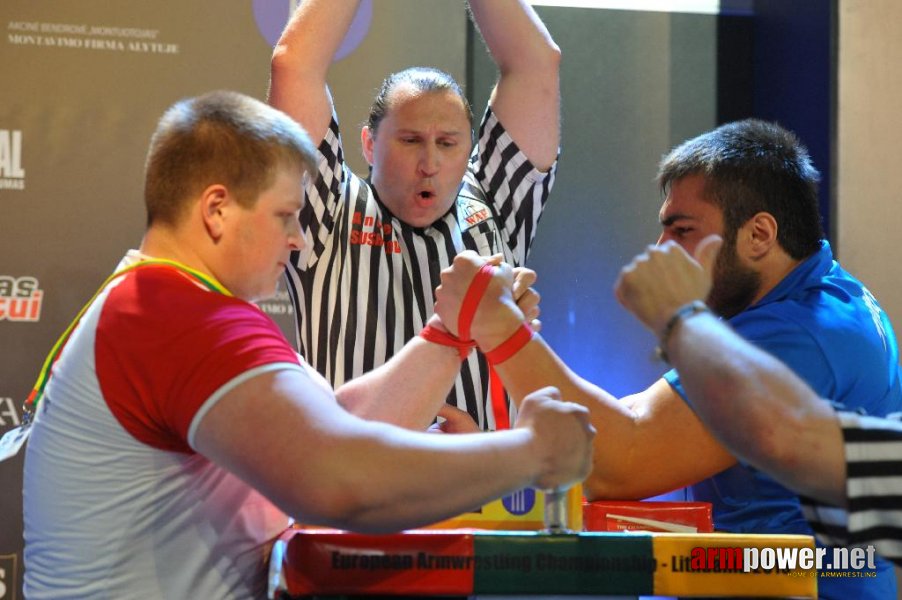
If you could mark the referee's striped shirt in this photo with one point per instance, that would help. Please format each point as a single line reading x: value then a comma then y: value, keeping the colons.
x: 873, y: 448
x: 364, y: 285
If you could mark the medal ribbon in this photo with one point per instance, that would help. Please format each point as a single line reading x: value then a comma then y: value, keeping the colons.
x: 37, y: 393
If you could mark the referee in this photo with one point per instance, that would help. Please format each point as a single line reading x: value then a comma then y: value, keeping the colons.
x: 365, y: 283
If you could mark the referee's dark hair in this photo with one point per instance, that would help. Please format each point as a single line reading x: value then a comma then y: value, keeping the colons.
x: 423, y: 79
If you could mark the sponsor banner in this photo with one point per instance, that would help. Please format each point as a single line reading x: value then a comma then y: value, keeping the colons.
x: 711, y: 564
x: 278, y: 305
x: 12, y: 173
x: 337, y: 563
x: 9, y: 574
x: 85, y: 37
x: 9, y: 414
x: 589, y: 563
x: 467, y: 562
x: 20, y: 298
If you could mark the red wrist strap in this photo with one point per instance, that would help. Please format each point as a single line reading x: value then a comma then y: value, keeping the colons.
x: 499, y: 401
x: 443, y: 338
x: 471, y: 299
x: 508, y: 348
x: 511, y: 345
x: 474, y: 294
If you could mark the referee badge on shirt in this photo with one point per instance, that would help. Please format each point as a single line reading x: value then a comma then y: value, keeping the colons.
x: 472, y: 212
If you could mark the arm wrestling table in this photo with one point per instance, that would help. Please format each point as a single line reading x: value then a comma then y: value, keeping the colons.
x: 429, y: 562
x: 556, y: 561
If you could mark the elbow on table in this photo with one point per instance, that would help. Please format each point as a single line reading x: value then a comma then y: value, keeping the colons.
x: 603, y: 486
x: 336, y: 505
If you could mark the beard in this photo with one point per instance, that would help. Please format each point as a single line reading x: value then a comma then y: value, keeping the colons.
x: 735, y: 285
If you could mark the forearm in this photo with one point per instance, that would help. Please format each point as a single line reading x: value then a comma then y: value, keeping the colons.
x: 312, y: 36
x: 535, y: 366
x: 759, y: 409
x: 301, y: 61
x: 615, y: 449
x: 526, y: 98
x: 406, y: 391
x: 515, y: 36
x: 423, y: 478
x: 431, y: 476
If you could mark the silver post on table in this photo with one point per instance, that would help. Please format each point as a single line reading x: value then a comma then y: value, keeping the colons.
x: 556, y: 511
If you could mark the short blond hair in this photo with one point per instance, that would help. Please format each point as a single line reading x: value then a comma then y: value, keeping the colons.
x: 221, y: 137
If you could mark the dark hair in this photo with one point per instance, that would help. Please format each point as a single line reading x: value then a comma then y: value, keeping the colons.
x: 220, y: 137
x: 753, y: 166
x: 423, y: 79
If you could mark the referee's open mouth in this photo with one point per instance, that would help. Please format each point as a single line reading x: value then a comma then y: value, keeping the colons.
x: 425, y: 197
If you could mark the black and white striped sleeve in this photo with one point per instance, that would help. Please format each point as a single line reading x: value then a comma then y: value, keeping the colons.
x: 518, y: 191
x: 323, y: 196
x: 873, y: 448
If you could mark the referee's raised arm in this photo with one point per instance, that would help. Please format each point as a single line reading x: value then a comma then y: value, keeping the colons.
x: 526, y: 98
x: 301, y: 60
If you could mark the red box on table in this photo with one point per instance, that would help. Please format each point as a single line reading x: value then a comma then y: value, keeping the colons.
x: 625, y: 515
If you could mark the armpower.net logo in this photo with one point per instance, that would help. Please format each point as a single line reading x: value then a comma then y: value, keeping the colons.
x: 823, y: 562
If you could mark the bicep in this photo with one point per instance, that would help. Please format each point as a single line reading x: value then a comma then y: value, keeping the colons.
x: 273, y: 432
x: 306, y: 100
x: 529, y: 109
